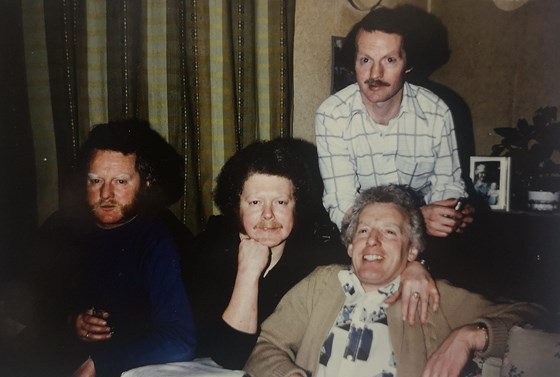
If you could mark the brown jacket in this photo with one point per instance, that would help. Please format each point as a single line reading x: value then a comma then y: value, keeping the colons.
x: 292, y: 337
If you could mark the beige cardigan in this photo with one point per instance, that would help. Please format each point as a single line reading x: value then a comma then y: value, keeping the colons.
x: 292, y: 337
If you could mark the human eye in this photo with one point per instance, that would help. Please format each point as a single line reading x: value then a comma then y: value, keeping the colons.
x: 94, y: 181
x: 362, y: 230
x: 254, y: 202
x: 121, y: 181
x: 390, y: 232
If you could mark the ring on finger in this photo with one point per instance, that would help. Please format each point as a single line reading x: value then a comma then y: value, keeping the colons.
x: 87, y: 335
x: 416, y: 295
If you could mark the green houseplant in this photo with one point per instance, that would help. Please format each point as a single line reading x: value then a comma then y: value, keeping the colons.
x: 535, y: 154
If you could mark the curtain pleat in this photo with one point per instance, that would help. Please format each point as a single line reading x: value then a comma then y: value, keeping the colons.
x: 39, y: 107
x: 18, y: 207
x: 211, y: 76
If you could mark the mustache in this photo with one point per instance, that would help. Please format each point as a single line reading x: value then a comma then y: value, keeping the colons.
x: 263, y: 225
x: 376, y: 83
x: 106, y: 203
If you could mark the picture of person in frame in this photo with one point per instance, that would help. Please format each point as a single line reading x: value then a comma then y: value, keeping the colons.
x: 486, y: 181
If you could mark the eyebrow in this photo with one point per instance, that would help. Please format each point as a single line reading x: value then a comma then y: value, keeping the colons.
x: 119, y: 176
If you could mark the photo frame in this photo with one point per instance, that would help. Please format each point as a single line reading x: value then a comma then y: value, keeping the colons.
x: 491, y: 180
x: 341, y: 76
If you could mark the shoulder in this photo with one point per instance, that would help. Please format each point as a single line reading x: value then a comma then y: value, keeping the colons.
x: 326, y: 275
x: 150, y: 227
x: 424, y: 100
x: 340, y: 103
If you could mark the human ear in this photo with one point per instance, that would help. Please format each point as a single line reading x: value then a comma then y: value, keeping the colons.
x: 350, y: 250
x: 412, y: 254
x: 149, y: 182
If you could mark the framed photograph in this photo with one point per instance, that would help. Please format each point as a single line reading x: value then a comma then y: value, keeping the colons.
x: 491, y: 180
x: 341, y: 75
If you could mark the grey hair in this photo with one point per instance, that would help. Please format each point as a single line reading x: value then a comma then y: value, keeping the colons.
x: 400, y: 196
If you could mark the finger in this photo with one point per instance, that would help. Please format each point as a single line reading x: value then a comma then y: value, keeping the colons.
x: 413, y: 307
x: 394, y: 297
x: 424, y: 309
x: 434, y: 298
x: 447, y: 202
x: 94, y: 321
x: 405, y: 298
x: 98, y: 329
x: 94, y: 337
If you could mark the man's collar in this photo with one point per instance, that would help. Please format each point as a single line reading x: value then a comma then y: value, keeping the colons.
x: 114, y: 226
x: 409, y: 103
x: 351, y: 285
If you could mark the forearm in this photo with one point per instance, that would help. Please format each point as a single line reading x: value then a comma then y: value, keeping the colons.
x: 228, y: 347
x: 504, y: 317
x: 242, y: 310
x: 447, y: 182
x: 462, y: 307
x: 338, y: 173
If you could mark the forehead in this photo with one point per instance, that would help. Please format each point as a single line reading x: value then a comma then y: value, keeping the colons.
x: 383, y: 212
x: 366, y: 40
x: 112, y: 160
x: 268, y: 184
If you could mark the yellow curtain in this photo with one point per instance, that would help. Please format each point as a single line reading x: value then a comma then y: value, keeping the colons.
x: 210, y: 76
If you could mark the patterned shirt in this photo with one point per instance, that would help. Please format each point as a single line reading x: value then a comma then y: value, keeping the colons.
x: 417, y: 148
x: 358, y: 344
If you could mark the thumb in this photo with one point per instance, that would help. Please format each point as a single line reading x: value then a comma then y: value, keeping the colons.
x: 394, y: 297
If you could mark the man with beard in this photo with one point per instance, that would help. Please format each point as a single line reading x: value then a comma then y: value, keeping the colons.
x: 110, y: 295
x: 384, y: 130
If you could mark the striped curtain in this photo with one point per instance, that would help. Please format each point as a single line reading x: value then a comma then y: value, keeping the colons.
x: 211, y: 76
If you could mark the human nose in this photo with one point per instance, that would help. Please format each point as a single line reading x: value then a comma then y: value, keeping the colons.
x: 373, y: 238
x: 376, y: 71
x: 106, y: 191
x: 268, y: 212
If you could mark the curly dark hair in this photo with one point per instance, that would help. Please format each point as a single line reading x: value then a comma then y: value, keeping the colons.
x: 399, y: 195
x: 157, y: 162
x: 279, y: 157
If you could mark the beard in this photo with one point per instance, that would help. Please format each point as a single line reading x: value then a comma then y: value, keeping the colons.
x: 127, y: 211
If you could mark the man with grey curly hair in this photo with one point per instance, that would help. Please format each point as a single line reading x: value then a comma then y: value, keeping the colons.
x: 398, y: 195
x: 336, y: 321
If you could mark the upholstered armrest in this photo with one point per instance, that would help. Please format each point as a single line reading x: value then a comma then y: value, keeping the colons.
x: 531, y: 352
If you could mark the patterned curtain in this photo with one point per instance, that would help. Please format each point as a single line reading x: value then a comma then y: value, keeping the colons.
x: 210, y: 76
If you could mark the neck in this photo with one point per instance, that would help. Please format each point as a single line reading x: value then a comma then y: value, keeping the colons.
x: 276, y: 253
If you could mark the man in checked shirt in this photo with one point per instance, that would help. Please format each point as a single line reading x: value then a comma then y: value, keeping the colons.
x: 384, y: 130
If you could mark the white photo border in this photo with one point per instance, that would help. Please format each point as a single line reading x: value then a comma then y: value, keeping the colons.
x: 503, y: 202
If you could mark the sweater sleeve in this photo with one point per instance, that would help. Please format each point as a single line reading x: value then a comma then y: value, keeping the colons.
x: 172, y: 334
x: 282, y: 333
x: 462, y: 307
